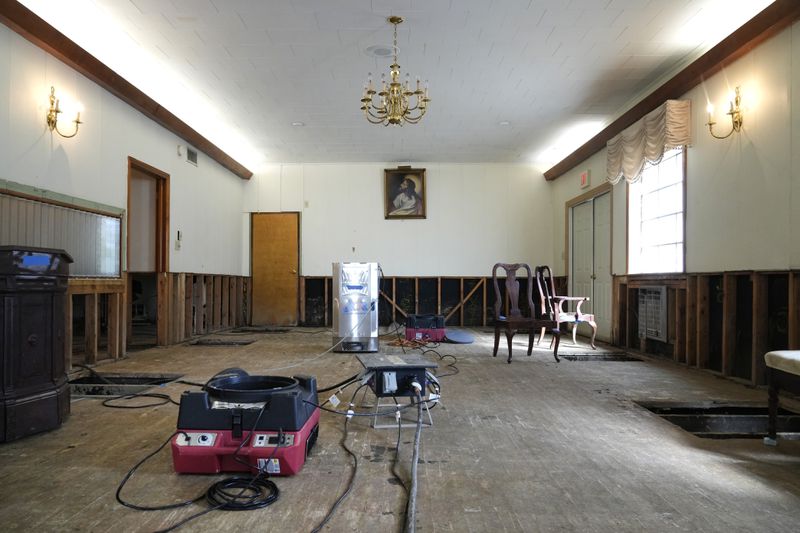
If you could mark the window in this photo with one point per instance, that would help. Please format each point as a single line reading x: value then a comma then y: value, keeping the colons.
x: 655, y: 217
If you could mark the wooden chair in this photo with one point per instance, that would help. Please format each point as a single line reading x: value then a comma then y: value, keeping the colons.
x: 547, y: 293
x: 515, y: 320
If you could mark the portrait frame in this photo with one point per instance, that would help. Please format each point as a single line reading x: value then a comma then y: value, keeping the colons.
x: 404, y: 200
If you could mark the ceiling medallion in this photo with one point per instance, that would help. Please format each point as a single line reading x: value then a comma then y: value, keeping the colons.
x: 393, y: 104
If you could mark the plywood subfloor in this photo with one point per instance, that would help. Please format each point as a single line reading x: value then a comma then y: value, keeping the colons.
x: 531, y: 446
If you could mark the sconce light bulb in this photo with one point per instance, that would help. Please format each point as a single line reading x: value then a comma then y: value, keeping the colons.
x: 710, y: 108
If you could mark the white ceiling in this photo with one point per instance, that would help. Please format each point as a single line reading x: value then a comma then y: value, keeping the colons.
x: 242, y: 71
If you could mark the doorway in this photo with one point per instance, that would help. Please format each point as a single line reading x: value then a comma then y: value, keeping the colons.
x: 147, y: 255
x: 589, y: 256
x: 275, y: 253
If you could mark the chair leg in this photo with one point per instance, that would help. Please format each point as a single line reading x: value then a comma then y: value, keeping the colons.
x: 557, y: 340
x: 509, y: 338
x: 574, y: 333
x: 541, y: 336
x: 594, y: 332
x: 496, y: 340
x: 530, y: 340
x: 772, y: 421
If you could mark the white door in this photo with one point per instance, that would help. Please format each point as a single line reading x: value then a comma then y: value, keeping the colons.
x: 602, y: 290
x: 582, y: 244
x: 590, y: 265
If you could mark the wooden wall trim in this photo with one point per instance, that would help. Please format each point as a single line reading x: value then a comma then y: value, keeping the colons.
x: 33, y: 28
x: 95, y: 286
x: 769, y: 22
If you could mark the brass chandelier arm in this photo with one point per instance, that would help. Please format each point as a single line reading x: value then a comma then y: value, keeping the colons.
x: 370, y: 115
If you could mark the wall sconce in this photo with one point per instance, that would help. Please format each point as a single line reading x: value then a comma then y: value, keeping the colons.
x: 52, y: 116
x: 735, y: 113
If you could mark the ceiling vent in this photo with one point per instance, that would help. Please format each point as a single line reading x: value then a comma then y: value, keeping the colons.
x: 191, y: 155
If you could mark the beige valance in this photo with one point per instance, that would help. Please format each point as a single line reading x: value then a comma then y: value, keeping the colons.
x: 666, y: 127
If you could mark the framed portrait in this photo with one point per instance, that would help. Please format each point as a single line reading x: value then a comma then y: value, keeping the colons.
x: 404, y: 193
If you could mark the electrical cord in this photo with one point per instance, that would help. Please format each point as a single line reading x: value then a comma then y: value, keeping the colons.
x: 353, y: 473
x: 255, y: 491
x: 342, y: 383
x: 396, y: 460
x: 397, y: 448
x: 411, y: 509
x: 394, y: 331
x: 192, y: 383
x: 427, y: 347
x: 329, y: 350
x: 145, y: 507
x: 350, y: 413
x: 441, y: 357
x: 165, y: 399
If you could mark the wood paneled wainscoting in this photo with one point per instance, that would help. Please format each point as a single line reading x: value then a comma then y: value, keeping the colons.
x: 722, y: 322
x: 99, y: 318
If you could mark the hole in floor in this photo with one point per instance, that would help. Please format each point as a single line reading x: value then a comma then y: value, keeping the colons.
x: 107, y: 384
x: 601, y: 356
x: 725, y: 421
x: 221, y: 342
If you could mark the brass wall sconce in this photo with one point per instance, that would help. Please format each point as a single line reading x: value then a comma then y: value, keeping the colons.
x: 52, y: 116
x: 735, y: 113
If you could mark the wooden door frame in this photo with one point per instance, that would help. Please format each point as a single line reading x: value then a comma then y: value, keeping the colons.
x: 299, y: 273
x: 162, y: 247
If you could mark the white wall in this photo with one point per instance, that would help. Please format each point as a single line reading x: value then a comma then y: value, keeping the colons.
x: 205, y: 201
x: 738, y: 189
x: 794, y: 213
x: 477, y: 215
x: 743, y: 193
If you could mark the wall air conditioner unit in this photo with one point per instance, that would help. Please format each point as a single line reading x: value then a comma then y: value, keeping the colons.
x: 653, y: 313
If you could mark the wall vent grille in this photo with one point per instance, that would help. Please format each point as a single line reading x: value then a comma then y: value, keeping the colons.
x: 653, y: 313
x: 191, y: 156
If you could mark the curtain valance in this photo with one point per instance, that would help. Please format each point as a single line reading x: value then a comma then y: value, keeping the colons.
x: 664, y: 128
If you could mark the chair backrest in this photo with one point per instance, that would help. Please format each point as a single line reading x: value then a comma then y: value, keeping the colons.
x: 512, y: 288
x: 547, y: 291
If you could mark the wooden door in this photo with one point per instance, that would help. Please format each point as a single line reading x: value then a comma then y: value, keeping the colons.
x: 275, y: 259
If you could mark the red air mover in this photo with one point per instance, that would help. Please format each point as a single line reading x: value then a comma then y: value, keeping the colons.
x: 271, y: 415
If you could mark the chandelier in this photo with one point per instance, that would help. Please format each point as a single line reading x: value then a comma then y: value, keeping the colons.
x: 393, y: 105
